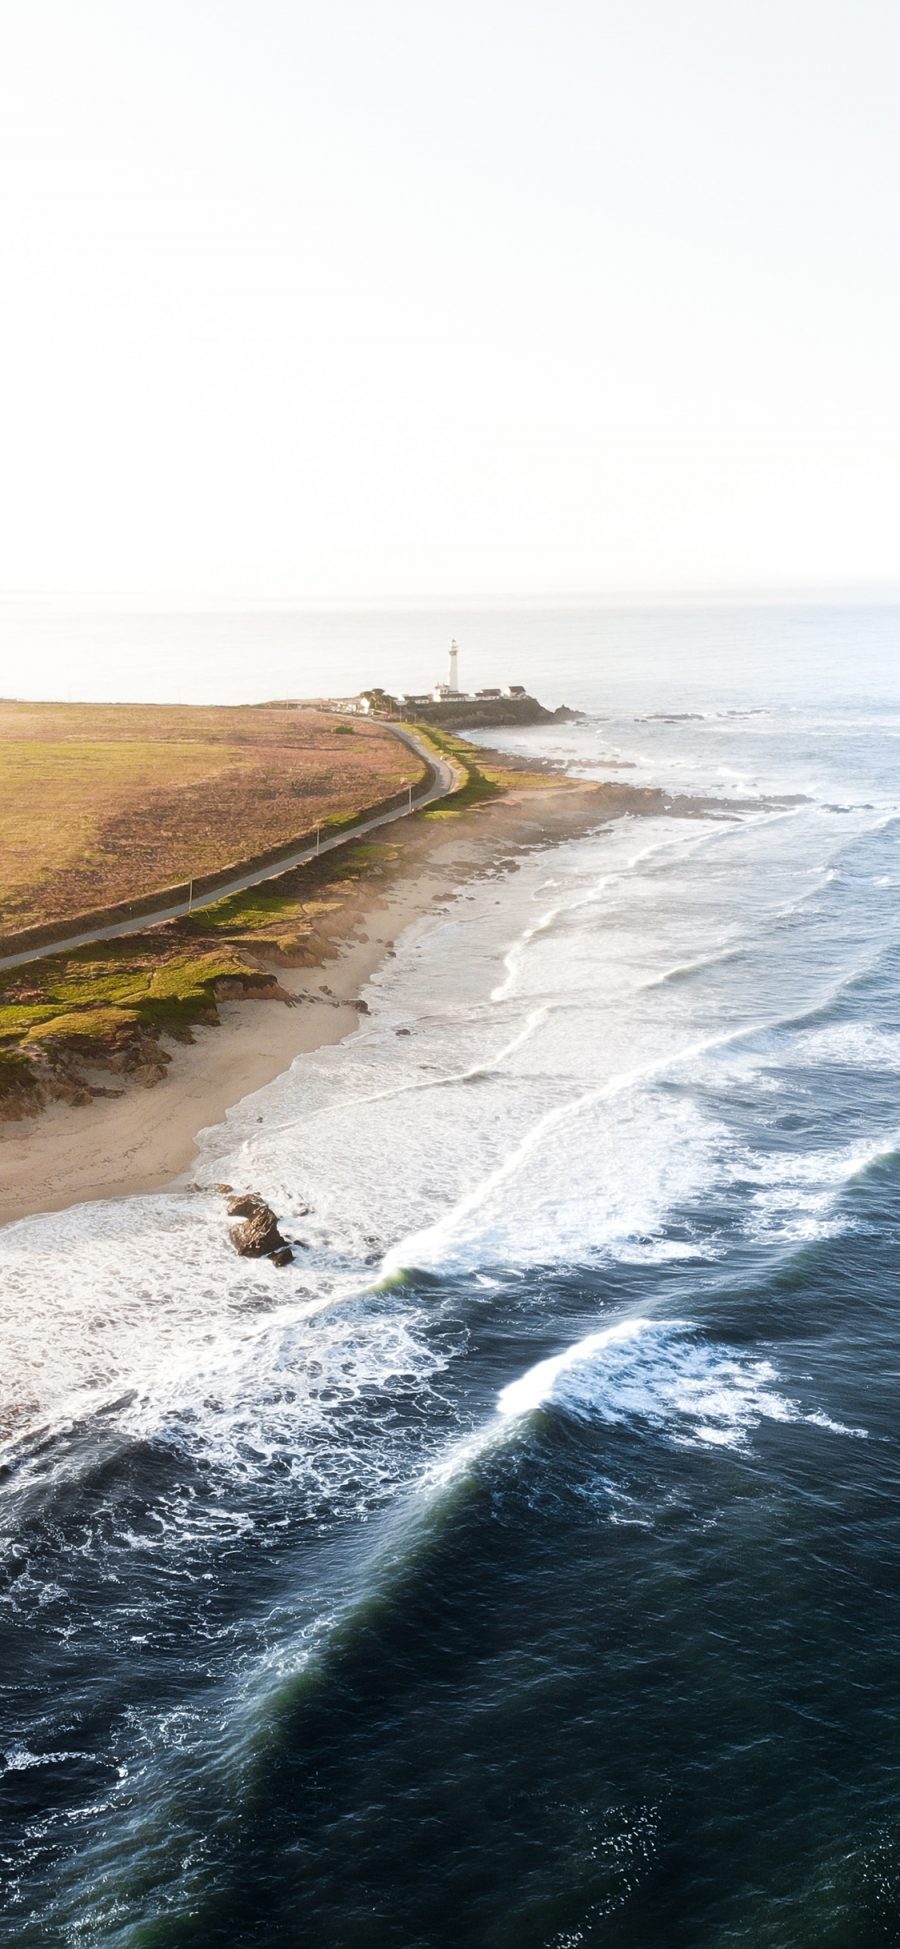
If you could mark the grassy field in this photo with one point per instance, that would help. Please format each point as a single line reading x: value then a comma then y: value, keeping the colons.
x: 68, y: 1020
x: 102, y: 803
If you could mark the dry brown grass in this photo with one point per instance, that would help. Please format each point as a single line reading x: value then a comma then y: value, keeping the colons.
x: 102, y: 803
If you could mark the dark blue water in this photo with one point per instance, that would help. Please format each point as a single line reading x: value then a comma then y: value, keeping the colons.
x: 527, y: 1572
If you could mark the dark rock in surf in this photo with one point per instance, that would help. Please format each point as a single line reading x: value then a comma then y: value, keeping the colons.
x: 244, y: 1204
x: 283, y: 1256
x: 258, y: 1236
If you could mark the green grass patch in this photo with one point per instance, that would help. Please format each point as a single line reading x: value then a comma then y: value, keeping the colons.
x: 17, y: 1018
x: 193, y: 973
x: 478, y: 786
x: 93, y: 983
x: 100, y: 1025
x: 285, y: 914
x: 354, y: 860
x: 243, y: 911
x: 338, y: 821
x: 175, y: 1014
x: 81, y: 999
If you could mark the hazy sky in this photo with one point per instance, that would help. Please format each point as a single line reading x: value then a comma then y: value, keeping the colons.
x: 404, y: 297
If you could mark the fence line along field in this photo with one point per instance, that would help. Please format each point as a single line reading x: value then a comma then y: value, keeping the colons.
x: 103, y: 803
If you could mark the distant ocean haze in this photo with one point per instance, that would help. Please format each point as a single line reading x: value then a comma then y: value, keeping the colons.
x: 595, y: 656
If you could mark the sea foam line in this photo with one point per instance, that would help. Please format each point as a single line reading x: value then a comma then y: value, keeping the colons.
x: 401, y: 1258
x: 486, y: 1067
x: 717, y: 958
x: 680, y: 846
x: 612, y: 878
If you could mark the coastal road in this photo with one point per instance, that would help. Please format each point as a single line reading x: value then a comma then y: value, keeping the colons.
x: 447, y: 777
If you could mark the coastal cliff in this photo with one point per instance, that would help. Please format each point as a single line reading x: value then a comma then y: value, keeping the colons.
x: 476, y: 713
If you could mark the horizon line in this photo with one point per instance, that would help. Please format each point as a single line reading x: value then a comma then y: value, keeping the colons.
x: 178, y: 600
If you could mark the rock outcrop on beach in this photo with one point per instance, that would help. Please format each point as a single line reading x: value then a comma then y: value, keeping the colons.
x: 52, y: 1047
x: 257, y: 1236
x: 57, y: 1061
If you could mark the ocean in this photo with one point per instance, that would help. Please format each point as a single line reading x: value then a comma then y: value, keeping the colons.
x: 521, y: 1569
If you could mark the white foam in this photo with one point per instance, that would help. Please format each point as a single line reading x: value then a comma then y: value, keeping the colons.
x: 560, y: 1137
x: 299, y: 1399
x: 661, y: 1375
x: 623, y: 873
x: 799, y: 1193
x: 19, y: 1759
x: 856, y: 1044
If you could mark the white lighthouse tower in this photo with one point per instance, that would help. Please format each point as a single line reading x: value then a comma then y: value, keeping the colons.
x: 453, y: 685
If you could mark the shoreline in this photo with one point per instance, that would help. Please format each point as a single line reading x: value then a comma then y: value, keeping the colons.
x: 146, y: 1139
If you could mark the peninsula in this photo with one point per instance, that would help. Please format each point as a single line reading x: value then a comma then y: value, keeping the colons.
x: 446, y: 704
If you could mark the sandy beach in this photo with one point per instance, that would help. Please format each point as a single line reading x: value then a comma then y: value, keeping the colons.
x: 145, y: 1138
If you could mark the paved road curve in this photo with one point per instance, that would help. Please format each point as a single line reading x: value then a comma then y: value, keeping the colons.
x: 448, y: 777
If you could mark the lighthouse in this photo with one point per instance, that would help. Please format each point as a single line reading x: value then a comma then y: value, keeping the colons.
x: 454, y: 679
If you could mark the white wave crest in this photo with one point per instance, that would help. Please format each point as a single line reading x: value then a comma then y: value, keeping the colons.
x: 661, y: 1375
x: 798, y: 1194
